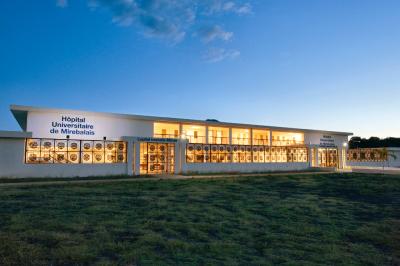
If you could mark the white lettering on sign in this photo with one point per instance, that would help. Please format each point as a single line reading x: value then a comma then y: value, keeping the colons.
x: 150, y: 139
x: 72, y: 126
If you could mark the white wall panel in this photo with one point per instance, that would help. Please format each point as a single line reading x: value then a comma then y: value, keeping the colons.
x: 41, y: 125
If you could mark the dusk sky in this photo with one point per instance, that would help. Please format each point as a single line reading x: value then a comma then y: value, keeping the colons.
x: 331, y: 65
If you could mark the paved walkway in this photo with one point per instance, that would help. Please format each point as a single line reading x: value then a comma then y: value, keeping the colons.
x: 155, y: 178
x: 377, y: 170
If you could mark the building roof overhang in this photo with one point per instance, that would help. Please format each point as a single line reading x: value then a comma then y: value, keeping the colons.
x: 4, y: 134
x: 20, y: 113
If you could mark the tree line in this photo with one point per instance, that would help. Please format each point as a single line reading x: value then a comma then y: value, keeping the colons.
x: 373, y: 142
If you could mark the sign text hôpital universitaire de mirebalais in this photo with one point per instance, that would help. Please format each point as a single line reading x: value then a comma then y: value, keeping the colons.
x: 72, y: 126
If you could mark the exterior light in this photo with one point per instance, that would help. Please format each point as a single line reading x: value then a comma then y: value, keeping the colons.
x: 345, y: 144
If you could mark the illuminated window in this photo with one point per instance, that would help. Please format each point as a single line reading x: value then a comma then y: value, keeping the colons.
x: 235, y: 154
x: 278, y: 154
x: 166, y: 130
x: 297, y: 154
x: 258, y: 154
x: 242, y: 154
x: 197, y: 153
x: 260, y: 137
x: 217, y: 153
x: 267, y: 154
x: 194, y: 133
x: 157, y: 158
x: 249, y: 157
x: 218, y: 135
x: 221, y: 153
x: 328, y: 157
x: 366, y: 155
x: 214, y: 154
x: 74, y: 151
x: 240, y: 136
x: 190, y: 153
x: 287, y: 138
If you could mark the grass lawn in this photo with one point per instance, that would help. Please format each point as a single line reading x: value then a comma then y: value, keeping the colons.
x: 345, y: 219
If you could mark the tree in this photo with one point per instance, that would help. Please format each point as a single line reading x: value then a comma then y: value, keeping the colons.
x: 354, y: 142
x: 373, y: 142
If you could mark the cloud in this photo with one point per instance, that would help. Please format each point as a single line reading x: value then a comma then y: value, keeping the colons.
x: 158, y: 18
x: 211, y: 33
x: 214, y: 55
x: 189, y: 15
x: 158, y: 26
x: 228, y: 6
x: 171, y: 19
x: 174, y: 20
x: 244, y: 9
x: 218, y: 6
x: 62, y: 3
x: 123, y: 11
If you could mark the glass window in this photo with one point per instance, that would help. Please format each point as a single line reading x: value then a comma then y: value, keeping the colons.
x: 366, y: 154
x: 297, y: 154
x: 157, y: 158
x: 287, y: 138
x: 194, y: 133
x: 74, y: 151
x: 260, y: 137
x: 217, y: 153
x: 241, y: 136
x: 221, y: 154
x: 166, y: 130
x: 218, y: 135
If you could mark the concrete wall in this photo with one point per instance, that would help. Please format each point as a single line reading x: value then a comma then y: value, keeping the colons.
x: 12, y: 164
x: 12, y: 148
x: 390, y: 163
x: 242, y: 167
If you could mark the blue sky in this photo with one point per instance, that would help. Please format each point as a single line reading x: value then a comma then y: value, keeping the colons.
x: 331, y: 65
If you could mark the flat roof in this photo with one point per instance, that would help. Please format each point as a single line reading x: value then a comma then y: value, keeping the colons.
x: 20, y: 113
x: 15, y: 134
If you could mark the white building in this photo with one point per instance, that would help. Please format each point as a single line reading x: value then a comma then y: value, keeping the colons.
x: 56, y: 142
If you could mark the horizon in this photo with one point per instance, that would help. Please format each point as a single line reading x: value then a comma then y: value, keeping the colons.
x: 315, y: 65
